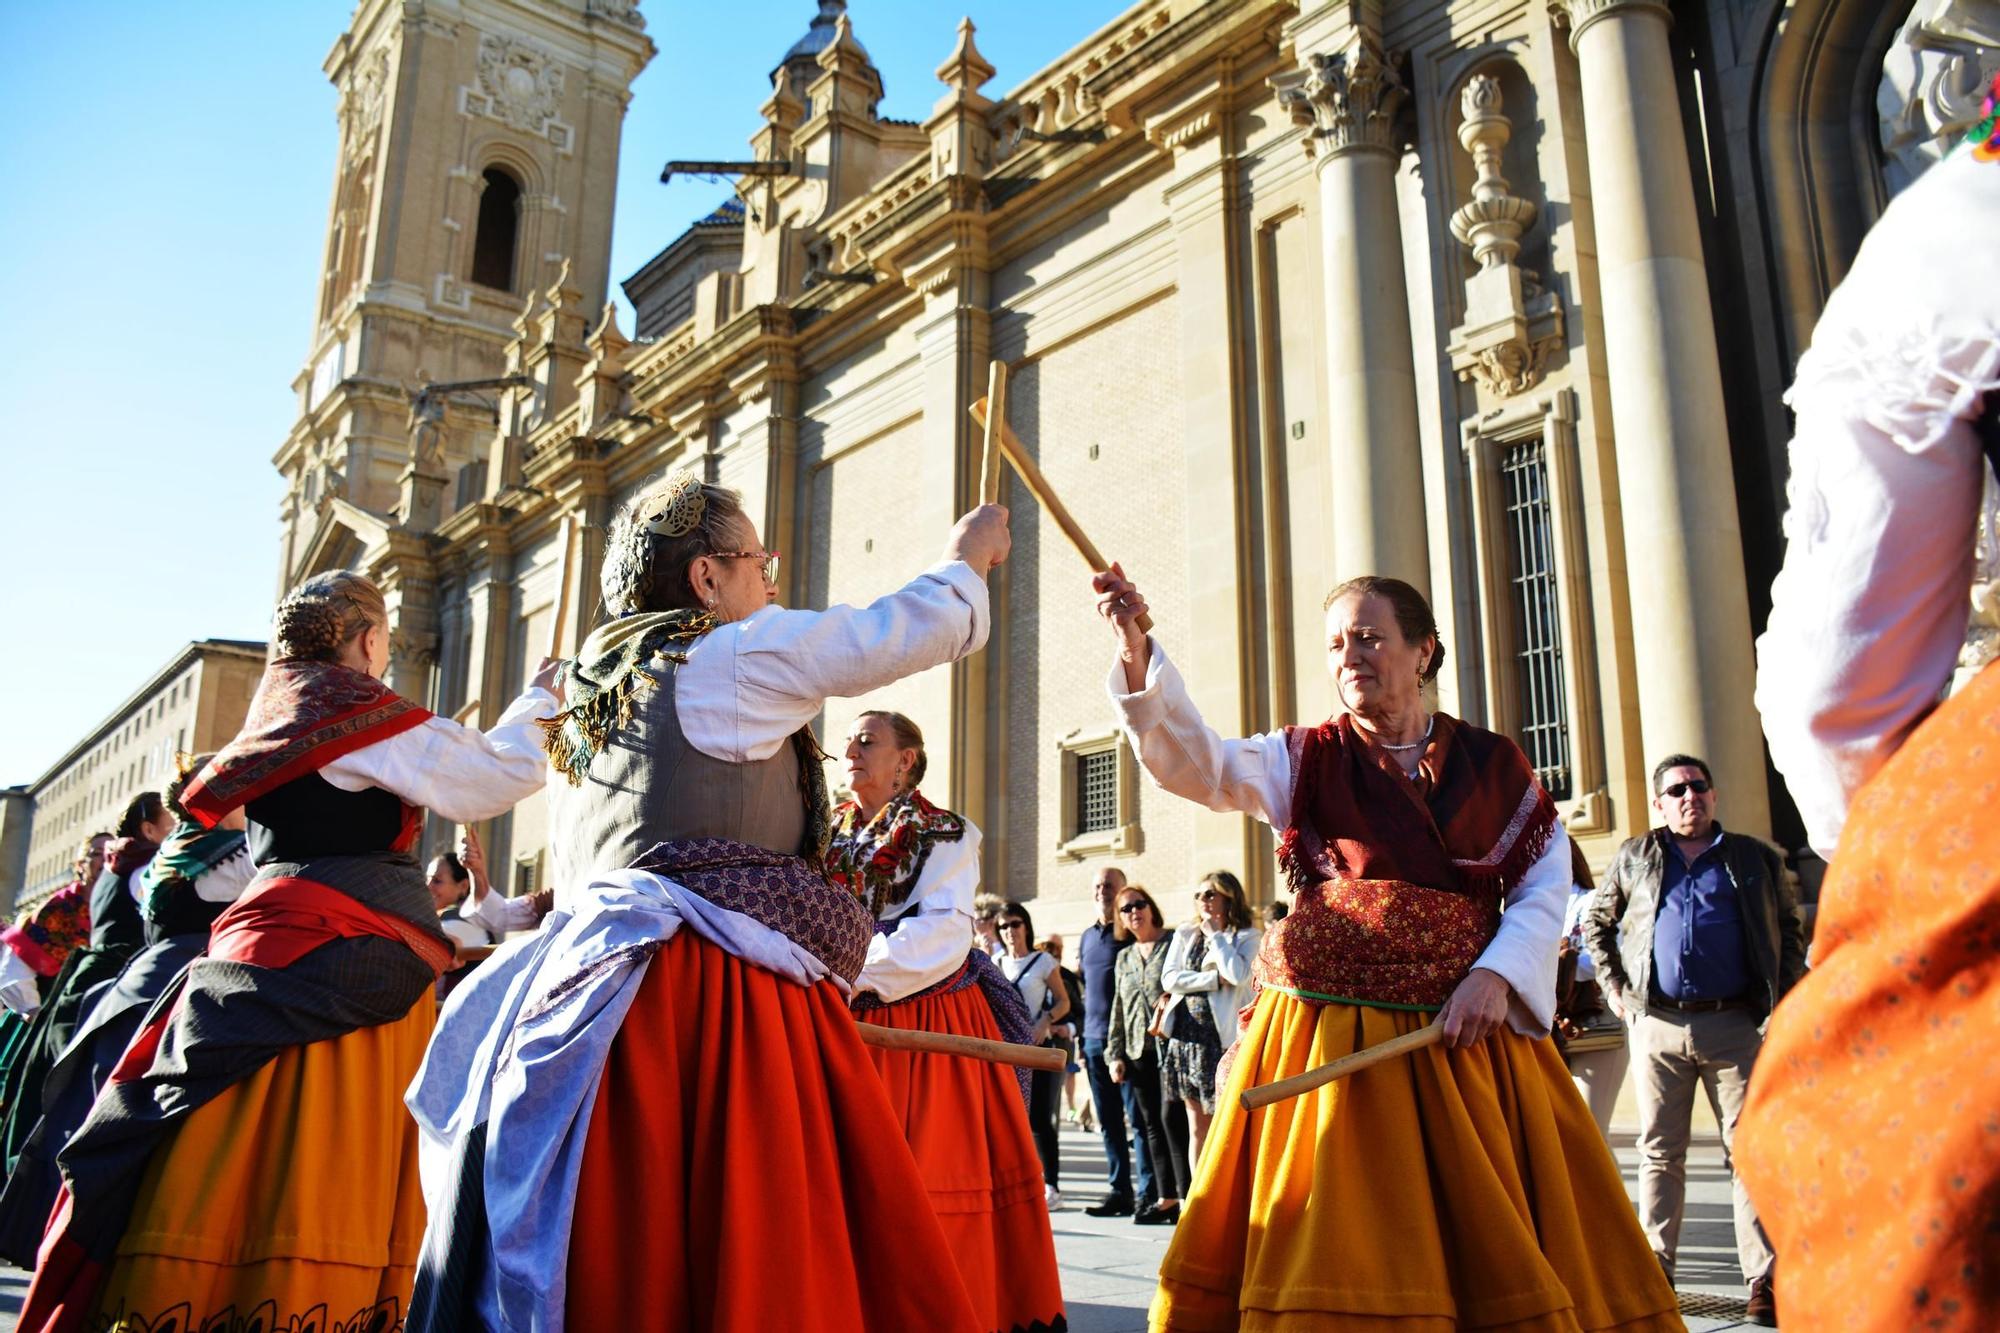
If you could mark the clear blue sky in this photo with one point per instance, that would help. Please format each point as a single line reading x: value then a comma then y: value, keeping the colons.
x: 167, y: 172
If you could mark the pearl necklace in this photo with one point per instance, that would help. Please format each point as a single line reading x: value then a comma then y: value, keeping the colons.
x: 1425, y: 739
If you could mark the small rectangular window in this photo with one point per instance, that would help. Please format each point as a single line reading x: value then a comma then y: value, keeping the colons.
x: 1097, y: 791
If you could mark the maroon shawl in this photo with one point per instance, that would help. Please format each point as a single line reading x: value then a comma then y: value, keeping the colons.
x: 305, y: 715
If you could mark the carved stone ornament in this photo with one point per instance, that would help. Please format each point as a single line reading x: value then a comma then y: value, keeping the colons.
x: 618, y: 11
x: 1934, y: 79
x: 520, y: 83
x: 1511, y: 327
x: 1580, y: 14
x: 1349, y: 99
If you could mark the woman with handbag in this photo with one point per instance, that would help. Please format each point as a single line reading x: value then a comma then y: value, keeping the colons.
x: 1208, y: 974
x: 1037, y: 977
x: 1142, y: 1016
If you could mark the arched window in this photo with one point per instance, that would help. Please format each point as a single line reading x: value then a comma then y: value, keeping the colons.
x: 499, y: 225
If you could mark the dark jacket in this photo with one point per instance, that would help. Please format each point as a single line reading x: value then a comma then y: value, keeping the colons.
x: 1630, y: 897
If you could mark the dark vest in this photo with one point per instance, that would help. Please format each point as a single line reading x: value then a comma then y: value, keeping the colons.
x: 174, y: 908
x: 308, y: 818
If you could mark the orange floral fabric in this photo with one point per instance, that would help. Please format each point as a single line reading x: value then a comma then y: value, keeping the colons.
x: 1871, y: 1141
x: 1376, y: 942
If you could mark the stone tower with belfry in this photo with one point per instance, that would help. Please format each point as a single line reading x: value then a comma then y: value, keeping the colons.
x: 467, y: 240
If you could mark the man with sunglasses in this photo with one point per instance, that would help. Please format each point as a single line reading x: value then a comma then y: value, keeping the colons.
x: 1696, y: 935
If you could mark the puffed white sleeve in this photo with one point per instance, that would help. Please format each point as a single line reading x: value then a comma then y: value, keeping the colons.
x: 1523, y: 949
x: 1184, y: 755
x: 749, y: 685
x: 18, y: 990
x: 463, y: 774
x: 930, y: 942
x: 225, y: 881
x: 499, y: 914
x: 1869, y: 610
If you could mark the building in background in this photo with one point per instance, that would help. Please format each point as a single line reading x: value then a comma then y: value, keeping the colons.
x: 1497, y: 296
x: 195, y: 702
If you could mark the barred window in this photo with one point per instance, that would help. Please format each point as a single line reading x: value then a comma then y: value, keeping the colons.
x: 1538, y: 662
x: 1097, y: 791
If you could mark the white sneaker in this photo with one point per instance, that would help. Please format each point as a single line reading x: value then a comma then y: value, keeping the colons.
x: 1052, y: 1196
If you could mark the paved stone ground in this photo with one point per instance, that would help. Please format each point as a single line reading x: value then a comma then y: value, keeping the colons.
x: 1108, y: 1265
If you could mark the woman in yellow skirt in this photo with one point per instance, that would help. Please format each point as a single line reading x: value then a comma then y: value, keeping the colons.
x: 249, y: 1163
x: 1464, y: 1186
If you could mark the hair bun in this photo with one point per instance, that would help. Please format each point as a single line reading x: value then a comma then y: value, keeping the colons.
x: 306, y: 625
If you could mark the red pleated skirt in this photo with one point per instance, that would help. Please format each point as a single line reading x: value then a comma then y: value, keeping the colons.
x: 744, y: 1172
x: 969, y: 1132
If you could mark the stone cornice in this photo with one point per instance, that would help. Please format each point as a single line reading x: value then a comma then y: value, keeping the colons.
x: 1348, y: 98
x: 1580, y: 14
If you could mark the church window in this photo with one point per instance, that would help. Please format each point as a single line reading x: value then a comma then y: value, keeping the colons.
x: 494, y: 242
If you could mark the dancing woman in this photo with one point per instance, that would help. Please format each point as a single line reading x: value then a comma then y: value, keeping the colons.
x: 915, y: 867
x: 656, y: 1110
x: 1462, y: 1186
x: 249, y: 1153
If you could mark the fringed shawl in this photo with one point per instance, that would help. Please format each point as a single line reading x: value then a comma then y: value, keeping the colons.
x: 880, y: 861
x: 305, y: 715
x: 1471, y: 823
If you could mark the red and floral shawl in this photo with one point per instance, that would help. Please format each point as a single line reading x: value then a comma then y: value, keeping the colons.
x: 1399, y: 881
x: 45, y: 939
x: 880, y: 861
x: 304, y: 716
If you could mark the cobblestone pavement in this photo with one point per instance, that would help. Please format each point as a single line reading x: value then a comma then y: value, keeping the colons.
x: 1108, y: 1264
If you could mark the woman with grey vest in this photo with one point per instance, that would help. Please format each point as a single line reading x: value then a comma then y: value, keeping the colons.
x: 629, y: 1112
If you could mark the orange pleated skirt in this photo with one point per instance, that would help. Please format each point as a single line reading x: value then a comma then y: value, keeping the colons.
x: 968, y: 1130
x: 1444, y: 1190
x: 1871, y: 1140
x: 293, y: 1194
x: 744, y: 1171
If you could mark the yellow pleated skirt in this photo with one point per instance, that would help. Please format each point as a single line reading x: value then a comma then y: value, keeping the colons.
x: 1440, y: 1191
x: 294, y: 1192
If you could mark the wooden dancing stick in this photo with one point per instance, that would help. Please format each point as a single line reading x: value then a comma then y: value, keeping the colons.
x: 1266, y: 1093
x: 947, y: 1043
x: 1046, y: 495
x: 556, y: 635
x: 995, y: 427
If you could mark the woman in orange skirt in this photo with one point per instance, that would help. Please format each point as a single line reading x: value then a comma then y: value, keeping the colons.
x: 1871, y: 1143
x: 1464, y: 1186
x: 915, y: 868
x: 246, y: 1160
x: 657, y: 1112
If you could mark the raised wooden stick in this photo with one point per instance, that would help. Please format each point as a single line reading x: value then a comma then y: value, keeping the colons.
x: 562, y: 587
x: 977, y: 1048
x: 1044, y: 493
x: 1266, y: 1093
x: 995, y: 427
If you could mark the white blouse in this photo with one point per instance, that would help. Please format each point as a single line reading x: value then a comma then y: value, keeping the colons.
x: 1253, y: 776
x: 931, y: 942
x: 463, y: 774
x: 498, y: 914
x: 1870, y: 609
x: 1035, y: 977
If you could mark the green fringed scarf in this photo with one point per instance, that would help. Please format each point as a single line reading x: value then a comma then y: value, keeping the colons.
x: 605, y: 681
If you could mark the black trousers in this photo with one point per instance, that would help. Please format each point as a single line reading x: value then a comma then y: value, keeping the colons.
x: 1163, y: 1120
x: 1044, y: 1097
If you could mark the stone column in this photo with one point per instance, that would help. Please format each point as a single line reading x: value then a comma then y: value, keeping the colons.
x: 1677, y: 494
x: 1350, y: 98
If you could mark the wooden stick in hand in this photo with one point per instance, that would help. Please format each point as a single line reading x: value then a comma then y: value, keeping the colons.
x: 1266, y: 1093
x: 562, y: 587
x: 995, y: 425
x: 1045, y: 494
x: 977, y: 1048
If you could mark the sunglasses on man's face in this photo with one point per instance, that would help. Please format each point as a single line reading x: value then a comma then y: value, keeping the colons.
x: 1680, y: 789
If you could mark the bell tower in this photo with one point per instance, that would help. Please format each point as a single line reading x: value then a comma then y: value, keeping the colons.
x: 477, y: 171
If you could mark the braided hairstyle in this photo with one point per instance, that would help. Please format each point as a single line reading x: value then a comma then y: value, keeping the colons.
x: 185, y: 767
x: 646, y: 570
x: 324, y: 614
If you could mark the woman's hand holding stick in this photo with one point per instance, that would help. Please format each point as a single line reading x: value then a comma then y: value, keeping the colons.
x: 1120, y: 602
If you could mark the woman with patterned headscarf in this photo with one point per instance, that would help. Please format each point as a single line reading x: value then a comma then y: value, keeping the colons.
x: 680, y: 1022
x: 914, y: 866
x: 248, y: 1156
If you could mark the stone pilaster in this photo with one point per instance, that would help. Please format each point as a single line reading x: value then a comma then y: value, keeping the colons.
x: 1691, y: 621
x: 1350, y: 98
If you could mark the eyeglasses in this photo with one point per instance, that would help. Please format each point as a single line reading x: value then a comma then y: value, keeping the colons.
x: 1013, y: 925
x: 1132, y: 907
x: 1680, y: 789
x: 769, y: 558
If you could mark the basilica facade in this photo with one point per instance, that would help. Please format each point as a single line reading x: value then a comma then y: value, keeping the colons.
x: 1500, y: 297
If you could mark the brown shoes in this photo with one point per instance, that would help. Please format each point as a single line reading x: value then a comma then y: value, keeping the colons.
x: 1762, y: 1307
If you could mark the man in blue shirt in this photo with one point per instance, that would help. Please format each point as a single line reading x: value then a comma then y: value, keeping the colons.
x: 1096, y: 957
x: 1711, y: 940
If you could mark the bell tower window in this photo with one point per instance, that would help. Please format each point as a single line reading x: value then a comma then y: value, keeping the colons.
x: 493, y: 244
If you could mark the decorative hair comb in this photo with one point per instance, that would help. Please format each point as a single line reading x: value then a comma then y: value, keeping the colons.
x: 681, y: 509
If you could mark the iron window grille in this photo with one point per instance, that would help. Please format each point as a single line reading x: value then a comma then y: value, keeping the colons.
x: 1097, y: 791
x: 1538, y: 653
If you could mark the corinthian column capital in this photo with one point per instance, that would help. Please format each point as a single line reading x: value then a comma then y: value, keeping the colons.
x: 1580, y: 14
x: 1349, y: 97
